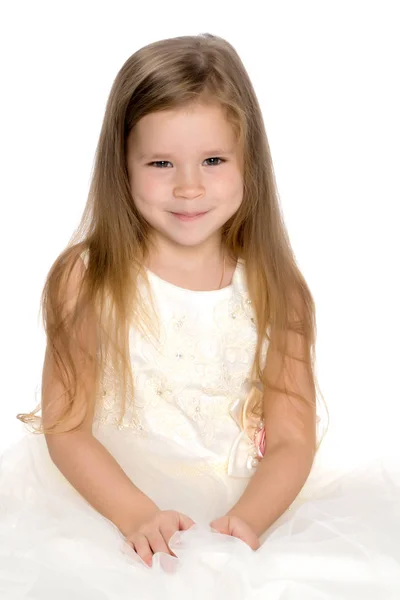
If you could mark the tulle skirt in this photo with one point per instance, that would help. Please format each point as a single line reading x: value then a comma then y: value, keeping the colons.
x: 340, y: 540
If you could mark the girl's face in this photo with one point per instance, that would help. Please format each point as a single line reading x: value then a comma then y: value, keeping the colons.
x: 185, y: 173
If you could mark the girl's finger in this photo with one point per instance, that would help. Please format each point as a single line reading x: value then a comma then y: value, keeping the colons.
x: 167, y: 531
x: 247, y: 535
x: 185, y: 522
x: 222, y: 525
x: 157, y: 542
x: 141, y: 546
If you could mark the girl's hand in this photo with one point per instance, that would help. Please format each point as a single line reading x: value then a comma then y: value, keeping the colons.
x: 234, y: 526
x: 153, y: 534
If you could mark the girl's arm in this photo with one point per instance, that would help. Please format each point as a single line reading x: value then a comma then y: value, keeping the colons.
x: 278, y: 480
x: 80, y: 457
x: 290, y: 426
x: 97, y: 476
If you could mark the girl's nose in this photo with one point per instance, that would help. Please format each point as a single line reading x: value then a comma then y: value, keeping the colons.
x: 190, y: 192
x: 189, y: 186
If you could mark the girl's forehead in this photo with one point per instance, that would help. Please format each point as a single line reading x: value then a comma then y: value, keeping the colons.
x: 196, y: 113
x: 207, y: 123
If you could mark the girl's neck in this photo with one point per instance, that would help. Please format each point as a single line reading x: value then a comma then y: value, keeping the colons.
x: 198, y: 272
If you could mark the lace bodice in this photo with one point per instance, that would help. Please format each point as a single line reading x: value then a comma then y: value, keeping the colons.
x: 191, y: 382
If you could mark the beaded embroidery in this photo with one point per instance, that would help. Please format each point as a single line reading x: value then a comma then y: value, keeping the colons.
x: 188, y: 379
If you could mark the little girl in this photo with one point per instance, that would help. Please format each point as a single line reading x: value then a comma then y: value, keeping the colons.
x: 179, y: 410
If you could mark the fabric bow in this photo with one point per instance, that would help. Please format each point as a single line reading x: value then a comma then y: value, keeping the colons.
x: 249, y: 446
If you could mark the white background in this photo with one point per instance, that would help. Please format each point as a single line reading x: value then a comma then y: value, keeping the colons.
x: 326, y: 75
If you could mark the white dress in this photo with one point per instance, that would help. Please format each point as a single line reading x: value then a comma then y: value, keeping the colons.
x: 182, y: 445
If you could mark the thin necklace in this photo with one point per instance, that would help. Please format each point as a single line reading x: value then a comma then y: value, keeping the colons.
x: 223, y: 273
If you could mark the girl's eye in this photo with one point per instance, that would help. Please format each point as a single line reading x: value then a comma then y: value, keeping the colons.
x: 158, y: 162
x: 216, y: 158
x: 161, y: 163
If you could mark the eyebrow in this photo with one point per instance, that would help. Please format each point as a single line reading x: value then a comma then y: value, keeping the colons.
x: 154, y: 155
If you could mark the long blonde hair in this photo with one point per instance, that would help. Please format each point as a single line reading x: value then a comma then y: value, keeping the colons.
x: 169, y: 74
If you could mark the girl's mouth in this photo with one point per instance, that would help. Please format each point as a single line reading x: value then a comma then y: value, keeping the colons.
x: 188, y: 217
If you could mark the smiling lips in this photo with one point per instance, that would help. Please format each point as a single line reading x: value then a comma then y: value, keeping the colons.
x: 188, y: 216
